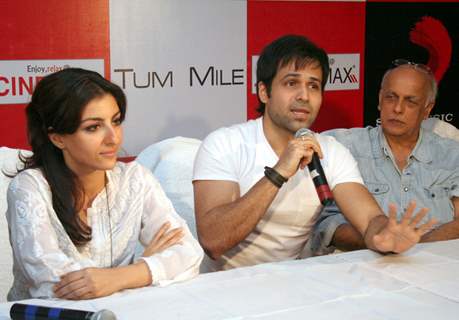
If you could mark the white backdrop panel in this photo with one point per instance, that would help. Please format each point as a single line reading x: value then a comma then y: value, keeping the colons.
x: 182, y: 65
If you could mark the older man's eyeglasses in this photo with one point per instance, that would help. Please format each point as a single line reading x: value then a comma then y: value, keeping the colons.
x: 418, y: 66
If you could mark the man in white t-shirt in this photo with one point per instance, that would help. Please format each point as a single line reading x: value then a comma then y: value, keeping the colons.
x: 252, y: 203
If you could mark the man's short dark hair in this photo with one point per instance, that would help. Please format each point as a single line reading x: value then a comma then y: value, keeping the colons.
x: 283, y: 51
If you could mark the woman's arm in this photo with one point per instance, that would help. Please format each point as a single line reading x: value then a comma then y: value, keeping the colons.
x: 36, y: 237
x: 180, y: 261
x: 92, y: 283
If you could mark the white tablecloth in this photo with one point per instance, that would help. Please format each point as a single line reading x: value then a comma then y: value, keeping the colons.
x: 420, y: 284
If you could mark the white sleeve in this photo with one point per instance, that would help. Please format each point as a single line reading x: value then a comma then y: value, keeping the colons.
x: 340, y: 166
x: 216, y: 158
x: 178, y: 262
x: 34, y: 239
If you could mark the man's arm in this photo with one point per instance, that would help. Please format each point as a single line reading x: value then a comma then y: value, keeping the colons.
x: 347, y: 238
x: 332, y: 231
x: 223, y: 218
x: 446, y: 231
x: 360, y: 208
x: 381, y: 233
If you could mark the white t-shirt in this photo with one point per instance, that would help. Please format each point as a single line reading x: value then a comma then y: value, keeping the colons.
x: 240, y: 153
x: 133, y: 207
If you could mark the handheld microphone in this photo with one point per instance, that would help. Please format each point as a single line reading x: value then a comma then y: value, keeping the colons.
x: 317, y: 172
x: 20, y: 311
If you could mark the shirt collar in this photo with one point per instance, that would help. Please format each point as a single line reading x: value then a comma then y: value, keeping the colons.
x: 421, y: 151
x: 112, y: 181
x: 108, y: 190
x: 378, y: 143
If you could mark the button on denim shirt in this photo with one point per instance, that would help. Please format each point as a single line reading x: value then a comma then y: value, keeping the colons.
x: 431, y: 177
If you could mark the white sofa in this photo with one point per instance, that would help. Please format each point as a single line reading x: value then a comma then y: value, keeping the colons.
x: 442, y: 128
x: 9, y: 162
x: 171, y: 161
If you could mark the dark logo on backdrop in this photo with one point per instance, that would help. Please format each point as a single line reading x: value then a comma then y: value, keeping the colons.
x: 432, y: 35
x: 419, y: 32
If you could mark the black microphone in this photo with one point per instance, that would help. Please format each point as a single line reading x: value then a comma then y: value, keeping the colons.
x: 21, y: 311
x: 317, y: 172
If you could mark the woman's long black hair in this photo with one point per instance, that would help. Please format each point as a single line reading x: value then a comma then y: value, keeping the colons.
x: 57, y: 105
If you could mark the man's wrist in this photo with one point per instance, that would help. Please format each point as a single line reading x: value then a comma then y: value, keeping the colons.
x: 375, y: 226
x: 275, y: 177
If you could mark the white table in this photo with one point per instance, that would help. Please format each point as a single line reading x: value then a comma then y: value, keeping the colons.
x: 420, y: 284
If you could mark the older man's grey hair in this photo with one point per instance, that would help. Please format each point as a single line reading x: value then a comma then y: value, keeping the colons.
x: 430, y: 77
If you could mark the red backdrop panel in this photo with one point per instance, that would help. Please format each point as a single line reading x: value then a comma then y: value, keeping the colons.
x: 53, y: 29
x: 338, y: 27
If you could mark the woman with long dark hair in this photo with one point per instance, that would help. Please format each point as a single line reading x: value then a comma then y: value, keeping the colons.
x: 75, y: 214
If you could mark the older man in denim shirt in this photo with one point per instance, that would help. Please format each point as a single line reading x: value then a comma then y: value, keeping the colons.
x: 399, y: 161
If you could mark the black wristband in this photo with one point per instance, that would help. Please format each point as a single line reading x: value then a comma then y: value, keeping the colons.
x: 274, y: 176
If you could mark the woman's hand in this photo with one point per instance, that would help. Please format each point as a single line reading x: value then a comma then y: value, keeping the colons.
x: 93, y: 283
x: 90, y: 283
x: 164, y: 239
x: 87, y: 283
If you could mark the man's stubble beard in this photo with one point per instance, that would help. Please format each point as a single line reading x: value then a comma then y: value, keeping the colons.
x: 289, y: 124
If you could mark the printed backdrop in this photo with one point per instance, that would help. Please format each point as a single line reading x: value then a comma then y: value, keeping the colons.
x: 187, y: 66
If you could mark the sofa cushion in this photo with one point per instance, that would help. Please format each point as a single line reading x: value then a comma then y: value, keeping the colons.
x: 171, y: 161
x: 9, y: 163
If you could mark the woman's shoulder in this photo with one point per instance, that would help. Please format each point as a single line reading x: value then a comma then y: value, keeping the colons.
x: 30, y: 178
x: 29, y: 186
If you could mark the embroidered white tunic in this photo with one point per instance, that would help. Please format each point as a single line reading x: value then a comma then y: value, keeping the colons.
x: 43, y: 251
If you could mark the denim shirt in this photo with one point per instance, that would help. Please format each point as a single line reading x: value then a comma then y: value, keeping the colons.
x: 431, y: 177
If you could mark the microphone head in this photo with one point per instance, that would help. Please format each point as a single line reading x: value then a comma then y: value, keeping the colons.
x: 103, y: 314
x: 304, y: 132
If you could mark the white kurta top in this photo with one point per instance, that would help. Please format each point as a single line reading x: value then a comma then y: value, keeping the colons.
x: 138, y: 207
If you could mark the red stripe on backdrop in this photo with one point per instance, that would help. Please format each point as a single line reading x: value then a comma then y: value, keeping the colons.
x: 52, y: 29
x: 432, y: 1
x: 338, y: 27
